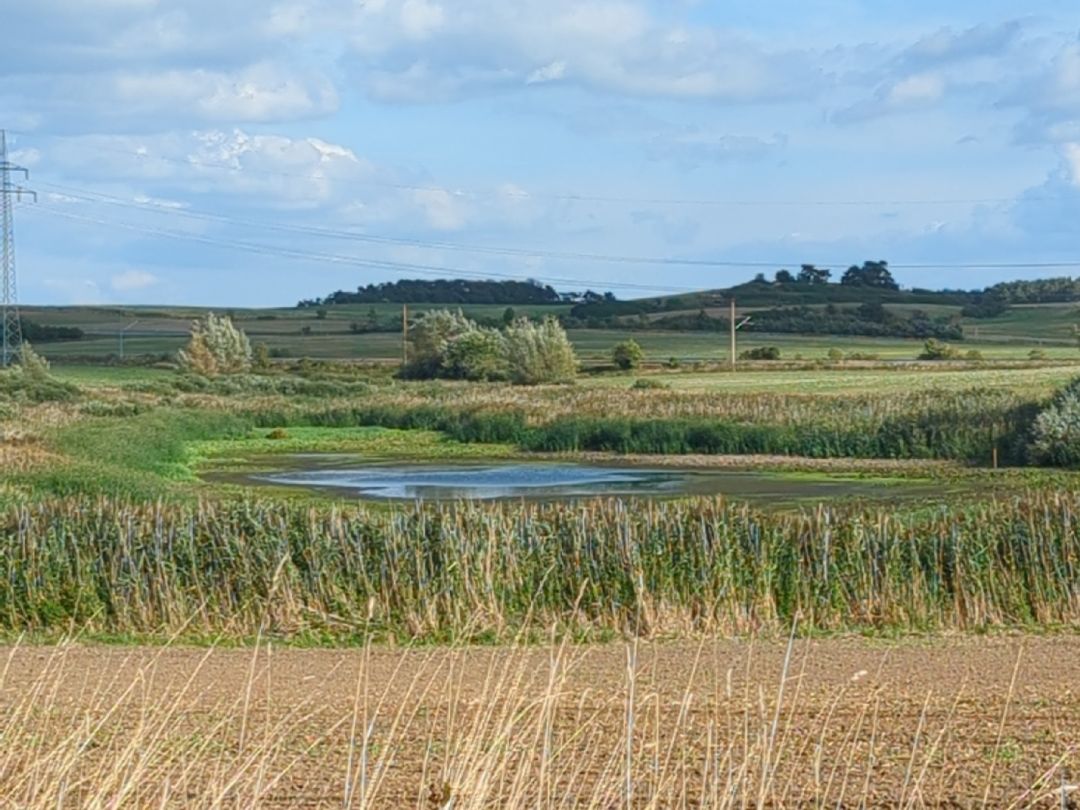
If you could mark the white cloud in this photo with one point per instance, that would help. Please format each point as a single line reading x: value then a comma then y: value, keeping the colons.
x: 949, y: 45
x: 908, y: 93
x: 262, y: 92
x: 132, y: 280
x: 920, y: 89
x: 271, y: 170
x: 445, y: 211
x: 1049, y: 95
x: 420, y: 18
x: 548, y: 73
x: 614, y: 46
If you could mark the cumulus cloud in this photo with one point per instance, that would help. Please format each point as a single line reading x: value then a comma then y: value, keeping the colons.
x: 949, y: 45
x: 259, y: 93
x: 272, y: 169
x: 945, y: 62
x: 131, y: 280
x: 1049, y: 96
x: 111, y: 64
x: 415, y: 51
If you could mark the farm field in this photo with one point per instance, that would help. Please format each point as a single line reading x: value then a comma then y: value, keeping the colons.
x: 852, y: 380
x: 848, y: 722
x: 301, y: 333
x: 594, y: 345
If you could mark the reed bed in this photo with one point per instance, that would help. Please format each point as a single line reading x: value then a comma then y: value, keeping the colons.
x: 490, y: 571
x: 924, y: 424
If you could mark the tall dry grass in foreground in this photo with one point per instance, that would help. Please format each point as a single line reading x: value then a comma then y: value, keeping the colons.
x: 482, y: 729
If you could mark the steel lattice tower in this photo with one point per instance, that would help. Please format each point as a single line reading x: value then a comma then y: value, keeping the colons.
x: 9, y: 193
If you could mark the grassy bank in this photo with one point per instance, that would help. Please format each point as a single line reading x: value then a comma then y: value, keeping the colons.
x: 486, y: 572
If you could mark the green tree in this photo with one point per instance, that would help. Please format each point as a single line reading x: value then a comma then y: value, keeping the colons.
x: 539, y: 352
x: 478, y: 354
x: 627, y: 354
x: 429, y: 338
x: 809, y: 274
x: 871, y: 274
x: 216, y: 347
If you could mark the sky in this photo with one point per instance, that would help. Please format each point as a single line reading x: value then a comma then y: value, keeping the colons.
x: 258, y: 152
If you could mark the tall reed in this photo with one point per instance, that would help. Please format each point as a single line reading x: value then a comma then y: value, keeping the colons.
x: 486, y: 571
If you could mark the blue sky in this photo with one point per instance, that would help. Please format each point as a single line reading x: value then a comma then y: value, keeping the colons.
x: 245, y: 152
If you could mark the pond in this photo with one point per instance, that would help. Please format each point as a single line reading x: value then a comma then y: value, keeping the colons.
x: 551, y: 481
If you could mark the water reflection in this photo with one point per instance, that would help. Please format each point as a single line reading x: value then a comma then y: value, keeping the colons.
x: 551, y: 481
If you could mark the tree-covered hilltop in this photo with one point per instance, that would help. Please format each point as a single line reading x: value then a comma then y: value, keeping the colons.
x: 444, y: 291
x: 1037, y: 291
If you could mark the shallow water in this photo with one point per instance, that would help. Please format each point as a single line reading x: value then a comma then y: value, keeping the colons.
x: 561, y: 481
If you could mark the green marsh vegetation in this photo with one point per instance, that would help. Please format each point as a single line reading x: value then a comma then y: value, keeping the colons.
x: 474, y: 572
x: 111, y: 530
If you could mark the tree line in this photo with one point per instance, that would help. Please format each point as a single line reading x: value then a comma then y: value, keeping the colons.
x: 443, y: 291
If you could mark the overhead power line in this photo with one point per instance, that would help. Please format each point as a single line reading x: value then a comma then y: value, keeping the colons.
x: 89, y: 196
x: 568, y: 196
x: 332, y: 258
x: 96, y: 197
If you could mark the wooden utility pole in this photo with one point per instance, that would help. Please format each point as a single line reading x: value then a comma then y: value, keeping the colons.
x: 405, y: 334
x: 733, y: 330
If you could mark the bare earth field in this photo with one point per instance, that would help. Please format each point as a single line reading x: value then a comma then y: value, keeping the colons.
x: 991, y: 722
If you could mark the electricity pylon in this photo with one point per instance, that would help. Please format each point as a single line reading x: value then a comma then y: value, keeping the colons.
x: 9, y: 193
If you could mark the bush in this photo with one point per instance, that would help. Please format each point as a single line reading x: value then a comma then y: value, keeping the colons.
x: 761, y: 353
x: 479, y: 354
x: 539, y: 353
x: 429, y: 339
x: 627, y: 355
x: 447, y: 344
x: 1056, y: 434
x: 647, y: 384
x: 31, y: 381
x: 216, y: 348
x: 1037, y: 354
x: 935, y: 349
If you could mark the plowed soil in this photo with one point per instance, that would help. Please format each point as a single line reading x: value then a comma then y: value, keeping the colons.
x: 840, y: 722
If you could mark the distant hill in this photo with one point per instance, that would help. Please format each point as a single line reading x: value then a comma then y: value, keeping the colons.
x: 866, y: 301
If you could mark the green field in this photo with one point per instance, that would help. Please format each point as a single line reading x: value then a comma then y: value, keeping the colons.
x: 295, y: 333
x: 855, y: 380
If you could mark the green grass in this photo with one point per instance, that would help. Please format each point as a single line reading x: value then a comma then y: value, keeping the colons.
x: 106, y: 376
x: 1041, y: 380
x: 1030, y: 323
x: 371, y: 442
x: 140, y: 456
